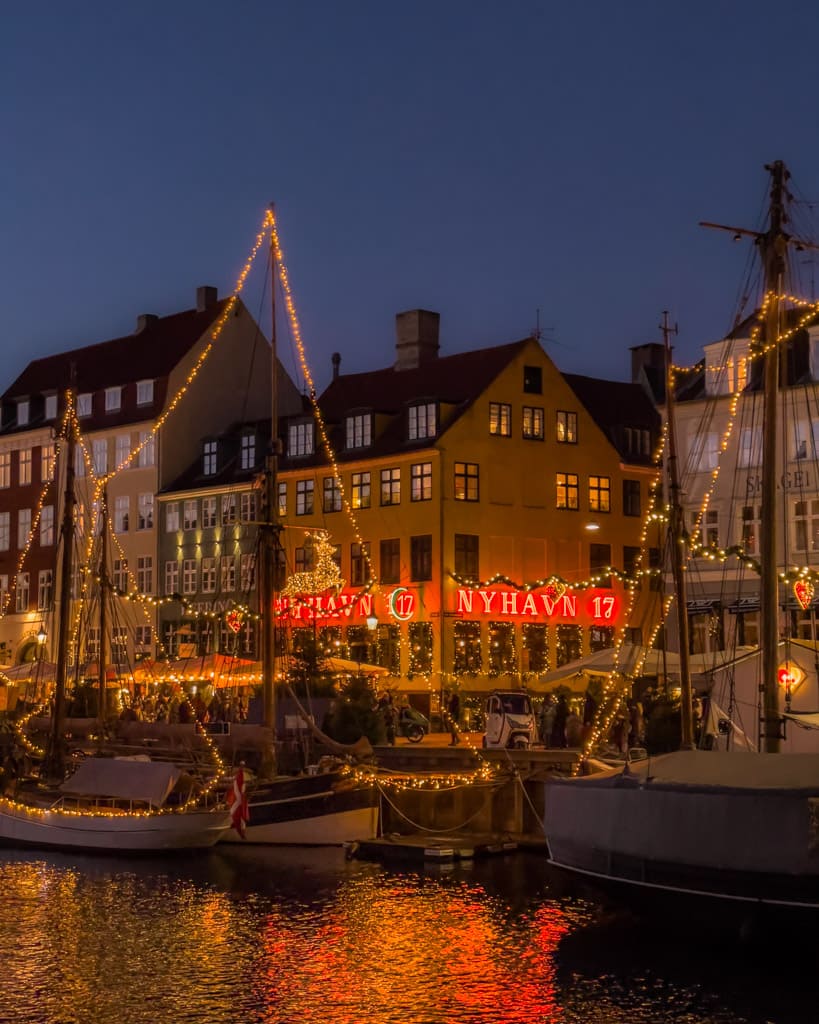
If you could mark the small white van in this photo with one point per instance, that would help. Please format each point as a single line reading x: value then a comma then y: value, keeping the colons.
x: 510, y: 721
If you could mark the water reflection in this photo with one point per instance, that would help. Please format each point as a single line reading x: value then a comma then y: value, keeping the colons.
x: 277, y: 936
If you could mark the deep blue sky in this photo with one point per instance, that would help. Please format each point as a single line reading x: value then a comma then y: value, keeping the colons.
x: 483, y: 159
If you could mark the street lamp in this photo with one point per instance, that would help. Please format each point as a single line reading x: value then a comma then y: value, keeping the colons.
x: 42, y: 636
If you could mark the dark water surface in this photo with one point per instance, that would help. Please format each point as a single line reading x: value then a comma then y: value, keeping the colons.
x: 265, y: 935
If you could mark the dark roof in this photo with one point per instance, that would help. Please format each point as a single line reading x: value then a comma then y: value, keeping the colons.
x: 148, y: 355
x: 615, y: 405
x: 228, y: 465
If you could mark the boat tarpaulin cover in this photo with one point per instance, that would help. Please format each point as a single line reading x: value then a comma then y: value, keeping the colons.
x: 807, y: 719
x: 139, y: 781
x: 731, y: 769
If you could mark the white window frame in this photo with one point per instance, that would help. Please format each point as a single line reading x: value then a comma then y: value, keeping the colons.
x: 172, y: 517
x: 113, y: 399
x: 85, y: 404
x: 144, y: 392
x: 51, y: 407
x: 23, y: 410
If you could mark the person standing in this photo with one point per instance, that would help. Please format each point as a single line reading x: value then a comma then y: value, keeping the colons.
x: 560, y: 719
x: 453, y: 709
x: 547, y: 719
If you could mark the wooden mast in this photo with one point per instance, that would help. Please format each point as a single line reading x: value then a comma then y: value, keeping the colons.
x: 102, y: 660
x: 677, y: 533
x: 54, y: 764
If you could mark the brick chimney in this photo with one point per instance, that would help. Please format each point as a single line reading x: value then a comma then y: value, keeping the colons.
x: 416, y: 338
x: 144, y: 320
x: 336, y: 360
x: 206, y: 295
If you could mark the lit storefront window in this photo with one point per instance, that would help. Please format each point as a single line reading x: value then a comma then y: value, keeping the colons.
x: 420, y: 648
x: 467, y: 637
x: 502, y: 654
x: 569, y: 640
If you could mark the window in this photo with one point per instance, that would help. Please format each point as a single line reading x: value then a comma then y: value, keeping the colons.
x: 750, y: 447
x: 751, y: 521
x: 47, y: 526
x: 304, y: 497
x: 113, y: 399
x: 5, y: 469
x: 466, y: 555
x: 121, y: 513
x: 5, y: 530
x: 147, y: 449
x: 421, y: 481
x: 247, y: 454
x: 247, y: 507
x: 421, y: 558
x: 145, y: 574
x: 568, y: 491
x: 359, y: 563
x: 282, y: 499
x: 189, y: 576
x: 391, y: 486
x: 228, y: 574
x: 535, y: 653
x: 705, y: 529
x: 632, y: 563
x: 145, y: 392
x: 303, y: 559
x: 208, y: 513
x: 172, y: 517
x: 637, y: 441
x: 47, y: 462
x: 208, y: 575
x: 359, y: 430
x: 122, y: 448
x: 601, y: 638
x: 24, y: 465
x: 361, y: 490
x: 142, y: 639
x: 119, y: 575
x: 209, y: 458
x: 45, y: 590
x: 500, y: 419
x: 84, y: 405
x: 119, y: 644
x: 631, y: 497
x: 172, y: 577
x: 23, y: 527
x: 331, y: 499
x: 228, y: 509
x: 569, y: 639
x: 421, y: 421
x: 100, y: 456
x: 566, y: 427
x: 390, y: 560
x: 51, y: 407
x: 247, y: 573
x: 503, y: 659
x: 599, y: 562
x: 466, y: 481
x: 190, y: 518
x: 806, y: 525
x: 600, y: 494
x: 22, y: 597
x: 467, y: 653
x: 300, y: 439
x: 145, y: 512
x: 533, y: 380
x: 532, y: 423
x: 655, y: 566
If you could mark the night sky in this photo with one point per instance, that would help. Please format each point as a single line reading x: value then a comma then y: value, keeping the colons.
x: 485, y: 160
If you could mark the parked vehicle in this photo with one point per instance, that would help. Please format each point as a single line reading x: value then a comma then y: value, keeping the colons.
x: 510, y: 721
x: 412, y: 724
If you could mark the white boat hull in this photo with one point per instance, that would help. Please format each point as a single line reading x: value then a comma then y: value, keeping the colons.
x: 321, y: 830
x: 112, y: 833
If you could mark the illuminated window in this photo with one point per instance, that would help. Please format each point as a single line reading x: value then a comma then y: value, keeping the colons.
x: 46, y: 526
x: 566, y: 427
x: 5, y: 531
x: 24, y: 465
x: 361, y: 490
x: 113, y: 399
x: 750, y: 523
x: 208, y: 575
x: 47, y: 462
x: 500, y: 419
x: 304, y: 497
x: 172, y: 577
x: 705, y: 529
x: 228, y: 574
x: 23, y: 588
x: 145, y: 392
x: 390, y: 560
x: 421, y: 481
x: 466, y: 481
x: 5, y: 469
x: 466, y: 555
x: 569, y: 640
x: 189, y: 574
x: 301, y: 439
x: 601, y: 638
x: 503, y: 659
x: 189, y: 513
x: 532, y: 423
x: 421, y: 558
x: 331, y: 495
x: 535, y: 654
x: 208, y: 513
x: 359, y: 430
x: 121, y: 513
x: 420, y: 645
x: 467, y: 648
x: 145, y: 512
x: 247, y: 507
x: 228, y: 509
x: 247, y: 455
x: 568, y: 491
x: 145, y: 573
x: 119, y: 575
x: 421, y: 421
x: 806, y: 525
x: 391, y: 486
x: 99, y: 458
x: 600, y: 494
x: 247, y: 573
x: 209, y: 458
x: 172, y: 517
x: 282, y: 499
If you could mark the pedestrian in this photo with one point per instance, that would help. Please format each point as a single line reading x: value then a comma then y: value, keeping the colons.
x: 589, y: 711
x: 560, y: 719
x: 388, y: 714
x: 547, y: 719
x: 453, y: 709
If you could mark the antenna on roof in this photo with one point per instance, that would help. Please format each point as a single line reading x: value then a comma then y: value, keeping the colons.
x: 538, y: 331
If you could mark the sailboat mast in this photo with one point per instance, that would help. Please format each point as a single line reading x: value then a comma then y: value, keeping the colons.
x: 268, y: 539
x: 773, y: 244
x: 103, y: 590
x: 54, y: 761
x: 678, y: 547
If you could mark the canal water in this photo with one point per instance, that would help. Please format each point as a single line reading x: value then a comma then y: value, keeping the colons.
x: 246, y: 934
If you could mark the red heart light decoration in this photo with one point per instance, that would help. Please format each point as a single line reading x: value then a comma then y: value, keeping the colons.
x: 554, y: 589
x: 803, y: 589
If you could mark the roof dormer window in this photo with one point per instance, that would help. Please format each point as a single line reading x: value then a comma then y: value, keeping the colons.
x: 22, y: 412
x: 359, y: 430
x: 300, y: 439
x: 51, y: 407
x: 113, y: 399
x: 422, y: 421
x: 247, y: 453
x: 84, y: 404
x: 145, y: 392
x: 209, y: 458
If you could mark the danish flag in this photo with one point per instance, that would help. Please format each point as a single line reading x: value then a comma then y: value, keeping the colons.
x: 237, y: 803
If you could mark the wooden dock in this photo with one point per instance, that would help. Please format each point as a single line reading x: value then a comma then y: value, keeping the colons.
x: 422, y: 848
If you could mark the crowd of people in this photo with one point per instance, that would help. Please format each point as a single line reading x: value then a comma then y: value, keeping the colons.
x: 180, y: 708
x: 568, y: 723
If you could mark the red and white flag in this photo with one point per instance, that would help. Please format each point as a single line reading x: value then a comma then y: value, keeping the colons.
x: 237, y: 803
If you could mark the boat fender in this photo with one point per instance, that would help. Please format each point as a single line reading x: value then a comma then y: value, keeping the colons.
x: 351, y: 849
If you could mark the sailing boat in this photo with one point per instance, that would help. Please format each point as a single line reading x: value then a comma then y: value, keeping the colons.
x: 738, y: 830
x: 326, y: 808
x: 121, y: 805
